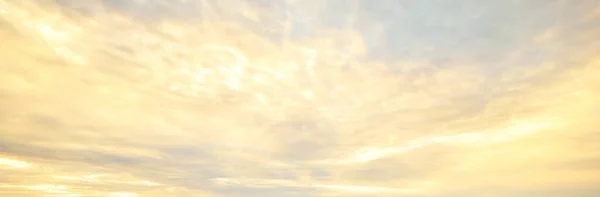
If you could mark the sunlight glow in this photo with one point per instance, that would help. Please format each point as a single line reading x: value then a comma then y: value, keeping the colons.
x: 13, y: 163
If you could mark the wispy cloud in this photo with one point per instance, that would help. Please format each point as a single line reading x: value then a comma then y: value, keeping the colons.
x: 234, y: 98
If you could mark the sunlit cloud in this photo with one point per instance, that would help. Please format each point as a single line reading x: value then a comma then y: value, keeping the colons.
x: 504, y: 134
x: 309, y: 98
x: 123, y: 194
x: 274, y: 183
x: 13, y: 163
x: 359, y: 189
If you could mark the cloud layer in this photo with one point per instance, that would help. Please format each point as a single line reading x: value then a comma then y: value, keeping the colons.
x: 296, y: 98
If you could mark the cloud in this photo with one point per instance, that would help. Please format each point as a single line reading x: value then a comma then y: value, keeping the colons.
x: 99, y: 100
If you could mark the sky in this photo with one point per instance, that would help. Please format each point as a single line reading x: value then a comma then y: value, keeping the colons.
x: 306, y: 98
